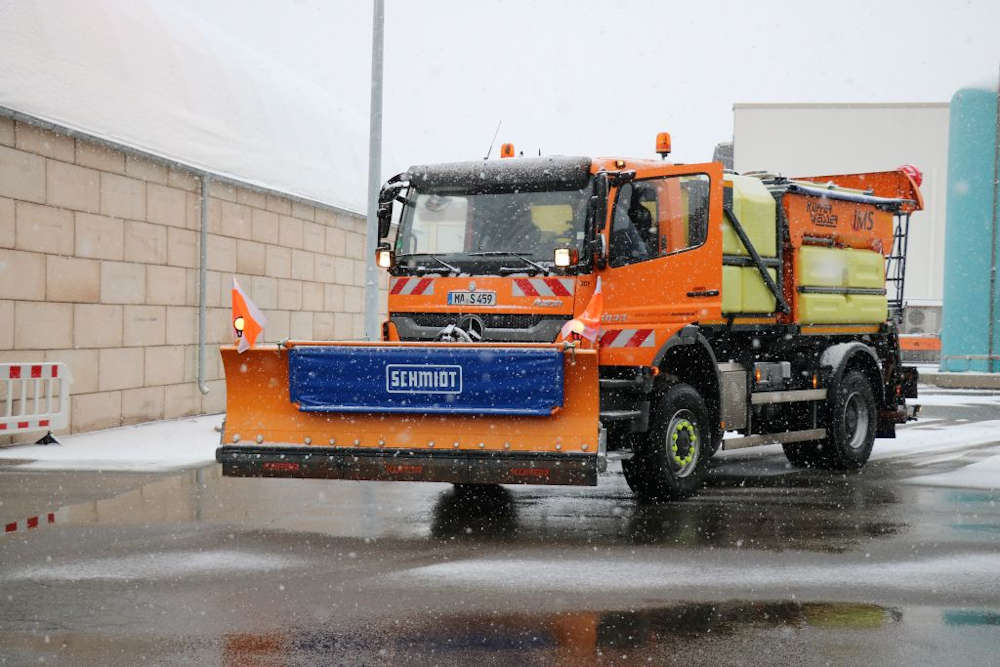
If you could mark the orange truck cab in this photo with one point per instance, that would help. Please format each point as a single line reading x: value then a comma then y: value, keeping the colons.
x: 752, y: 304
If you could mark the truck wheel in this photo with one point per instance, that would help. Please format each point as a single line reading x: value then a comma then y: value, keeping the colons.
x: 631, y: 470
x: 671, y: 461
x: 716, y: 443
x: 851, y: 429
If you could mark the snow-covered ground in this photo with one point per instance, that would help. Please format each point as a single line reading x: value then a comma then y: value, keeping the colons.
x: 937, y: 442
x: 984, y: 474
x: 965, y: 573
x: 151, y: 447
x: 957, y: 397
x: 174, y: 444
x: 935, y: 439
x: 162, y: 565
x: 954, y: 442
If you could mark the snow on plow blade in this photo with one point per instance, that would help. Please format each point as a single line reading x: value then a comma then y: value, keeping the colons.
x: 435, y: 412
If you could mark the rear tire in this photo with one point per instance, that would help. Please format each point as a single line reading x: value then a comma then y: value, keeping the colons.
x: 852, y: 423
x: 671, y: 460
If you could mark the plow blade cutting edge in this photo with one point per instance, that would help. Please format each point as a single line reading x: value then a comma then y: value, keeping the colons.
x: 435, y: 412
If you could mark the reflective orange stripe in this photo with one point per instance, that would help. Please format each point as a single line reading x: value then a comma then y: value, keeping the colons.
x: 919, y: 343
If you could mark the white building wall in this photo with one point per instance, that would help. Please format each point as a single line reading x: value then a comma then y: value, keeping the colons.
x: 206, y: 84
x: 811, y: 139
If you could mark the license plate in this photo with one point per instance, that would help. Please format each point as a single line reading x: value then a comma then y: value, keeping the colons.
x: 472, y: 298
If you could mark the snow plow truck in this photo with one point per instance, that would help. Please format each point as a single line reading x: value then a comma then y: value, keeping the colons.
x: 543, y: 312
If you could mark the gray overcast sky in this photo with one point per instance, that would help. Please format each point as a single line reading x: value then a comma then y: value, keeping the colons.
x: 603, y: 77
x: 278, y: 93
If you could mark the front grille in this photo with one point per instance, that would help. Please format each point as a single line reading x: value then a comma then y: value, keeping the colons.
x: 490, y: 320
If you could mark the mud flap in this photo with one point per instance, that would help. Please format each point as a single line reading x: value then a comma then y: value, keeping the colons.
x: 885, y: 427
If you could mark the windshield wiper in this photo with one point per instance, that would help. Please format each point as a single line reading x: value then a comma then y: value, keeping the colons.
x: 437, y: 259
x: 515, y: 255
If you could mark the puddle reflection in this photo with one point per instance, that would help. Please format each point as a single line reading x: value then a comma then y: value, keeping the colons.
x: 483, y: 511
x: 562, y: 638
x: 816, y: 520
x: 971, y: 617
x: 824, y: 517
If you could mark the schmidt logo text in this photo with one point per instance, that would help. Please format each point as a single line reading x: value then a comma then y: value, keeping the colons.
x: 423, y: 379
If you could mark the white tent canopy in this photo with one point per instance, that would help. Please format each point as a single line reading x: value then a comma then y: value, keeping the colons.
x: 272, y: 94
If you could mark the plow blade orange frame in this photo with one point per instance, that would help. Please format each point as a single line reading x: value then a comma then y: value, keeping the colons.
x: 267, y: 435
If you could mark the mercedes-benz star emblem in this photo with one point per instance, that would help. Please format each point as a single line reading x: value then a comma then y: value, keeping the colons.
x: 472, y: 325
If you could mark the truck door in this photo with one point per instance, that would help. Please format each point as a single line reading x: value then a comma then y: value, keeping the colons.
x: 664, y: 265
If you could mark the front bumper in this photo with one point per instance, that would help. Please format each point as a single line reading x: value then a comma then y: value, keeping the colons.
x: 457, y: 467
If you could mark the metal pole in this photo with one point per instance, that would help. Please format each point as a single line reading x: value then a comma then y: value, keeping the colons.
x: 374, y: 175
x: 203, y: 260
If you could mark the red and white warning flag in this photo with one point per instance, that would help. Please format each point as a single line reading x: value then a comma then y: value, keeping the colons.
x: 248, y: 320
x: 588, y: 325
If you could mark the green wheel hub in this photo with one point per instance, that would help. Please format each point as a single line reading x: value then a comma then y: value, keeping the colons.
x: 683, y: 443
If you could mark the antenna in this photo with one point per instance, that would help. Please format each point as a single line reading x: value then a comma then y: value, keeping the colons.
x: 495, y: 133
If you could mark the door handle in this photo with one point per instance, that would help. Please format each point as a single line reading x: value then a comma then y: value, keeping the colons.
x: 709, y: 292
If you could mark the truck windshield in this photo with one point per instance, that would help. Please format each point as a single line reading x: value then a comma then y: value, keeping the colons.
x: 485, y: 228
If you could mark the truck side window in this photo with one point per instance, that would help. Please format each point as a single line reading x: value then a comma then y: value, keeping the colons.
x: 659, y: 216
x: 697, y: 193
x: 628, y: 244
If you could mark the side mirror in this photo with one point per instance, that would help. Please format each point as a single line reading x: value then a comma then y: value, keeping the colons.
x: 602, y: 252
x: 384, y: 218
x: 389, y: 192
x: 619, y: 178
x: 599, y: 213
x: 599, y: 200
x: 386, y: 196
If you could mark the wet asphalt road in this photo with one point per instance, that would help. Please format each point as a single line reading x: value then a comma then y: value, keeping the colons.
x: 768, y: 565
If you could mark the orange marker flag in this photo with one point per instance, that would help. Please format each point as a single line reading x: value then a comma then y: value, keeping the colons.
x: 588, y: 325
x: 248, y: 320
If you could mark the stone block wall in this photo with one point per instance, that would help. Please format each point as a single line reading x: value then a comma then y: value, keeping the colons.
x: 99, y: 252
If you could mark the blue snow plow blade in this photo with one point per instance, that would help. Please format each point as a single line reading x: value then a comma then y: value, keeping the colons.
x: 461, y: 380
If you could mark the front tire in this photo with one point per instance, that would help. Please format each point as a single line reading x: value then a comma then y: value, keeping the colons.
x: 671, y: 461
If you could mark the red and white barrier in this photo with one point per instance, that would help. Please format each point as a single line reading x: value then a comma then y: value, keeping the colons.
x: 35, y: 397
x: 29, y: 523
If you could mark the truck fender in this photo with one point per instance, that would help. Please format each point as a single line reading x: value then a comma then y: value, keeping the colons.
x: 687, y: 336
x: 837, y: 357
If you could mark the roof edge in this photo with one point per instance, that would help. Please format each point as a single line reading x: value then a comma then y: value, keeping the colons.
x: 839, y: 105
x: 59, y: 128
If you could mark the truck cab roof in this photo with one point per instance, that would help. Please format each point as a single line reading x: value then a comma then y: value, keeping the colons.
x: 525, y: 174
